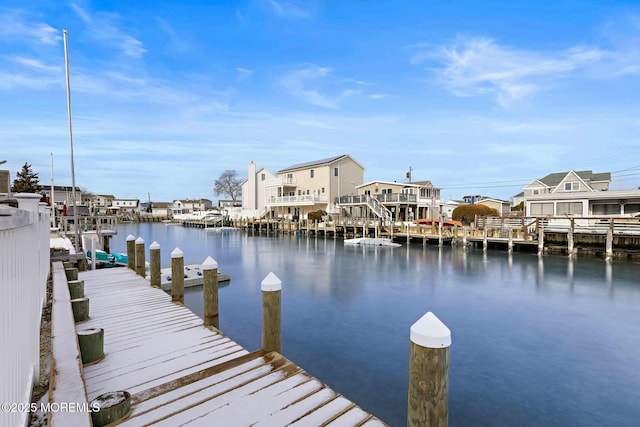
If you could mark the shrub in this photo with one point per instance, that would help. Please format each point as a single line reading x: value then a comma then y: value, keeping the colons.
x: 467, y: 213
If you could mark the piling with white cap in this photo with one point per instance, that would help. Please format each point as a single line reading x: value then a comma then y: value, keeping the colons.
x: 177, y: 276
x: 210, y: 290
x: 428, y: 403
x: 271, y: 288
x: 140, y: 261
x: 131, y: 252
x: 154, y: 264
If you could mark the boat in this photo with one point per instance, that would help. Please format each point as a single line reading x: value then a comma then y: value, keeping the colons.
x: 212, y: 216
x: 193, y: 276
x: 103, y: 259
x: 371, y: 241
x: 120, y: 259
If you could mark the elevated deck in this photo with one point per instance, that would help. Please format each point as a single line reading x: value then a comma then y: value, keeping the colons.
x: 181, y: 372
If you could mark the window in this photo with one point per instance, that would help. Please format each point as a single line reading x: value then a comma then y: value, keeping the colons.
x: 335, y: 171
x: 386, y: 191
x: 311, y: 173
x: 263, y: 177
x: 571, y: 186
x: 541, y: 209
x: 307, y: 192
x: 606, y: 209
x: 322, y: 190
x: 299, y: 192
x: 536, y: 192
x: 632, y: 208
x: 569, y: 208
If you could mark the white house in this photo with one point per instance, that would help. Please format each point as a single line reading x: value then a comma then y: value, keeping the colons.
x: 579, y: 193
x: 254, y: 191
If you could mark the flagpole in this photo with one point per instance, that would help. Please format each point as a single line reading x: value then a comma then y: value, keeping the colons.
x: 73, y: 176
x: 53, y: 197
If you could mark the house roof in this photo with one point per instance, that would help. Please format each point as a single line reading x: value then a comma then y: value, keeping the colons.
x: 402, y: 184
x: 553, y: 179
x: 320, y: 162
x: 426, y: 183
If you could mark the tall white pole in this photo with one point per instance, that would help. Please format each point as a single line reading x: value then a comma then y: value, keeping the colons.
x: 53, y: 197
x: 73, y: 176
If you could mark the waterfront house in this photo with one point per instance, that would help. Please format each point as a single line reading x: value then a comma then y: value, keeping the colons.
x: 125, y: 208
x: 62, y: 195
x: 5, y: 183
x: 579, y: 193
x: 400, y: 201
x: 503, y: 207
x: 188, y: 206
x: 312, y: 186
x: 254, y: 191
x: 99, y: 203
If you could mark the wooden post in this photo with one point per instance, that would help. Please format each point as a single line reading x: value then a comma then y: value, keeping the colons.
x: 210, y: 289
x: 76, y: 288
x: 485, y: 243
x: 570, y: 238
x: 131, y: 252
x: 271, y: 313
x: 609, y: 241
x: 72, y: 273
x: 429, y: 373
x: 540, y: 238
x: 177, y: 276
x: 140, y: 261
x: 154, y: 260
x: 91, y: 343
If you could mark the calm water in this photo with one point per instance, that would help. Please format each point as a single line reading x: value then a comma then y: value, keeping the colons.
x: 549, y: 341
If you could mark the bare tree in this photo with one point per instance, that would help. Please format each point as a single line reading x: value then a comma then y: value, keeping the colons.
x: 228, y: 184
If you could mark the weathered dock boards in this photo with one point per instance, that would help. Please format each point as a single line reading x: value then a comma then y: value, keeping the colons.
x: 179, y: 372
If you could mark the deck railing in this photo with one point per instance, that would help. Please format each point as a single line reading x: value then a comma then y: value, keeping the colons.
x: 24, y: 266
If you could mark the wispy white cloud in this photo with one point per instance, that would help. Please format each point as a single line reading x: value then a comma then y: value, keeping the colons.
x: 104, y: 27
x: 18, y: 24
x: 477, y: 66
x: 288, y: 9
x: 296, y: 83
x: 316, y: 86
x: 244, y: 73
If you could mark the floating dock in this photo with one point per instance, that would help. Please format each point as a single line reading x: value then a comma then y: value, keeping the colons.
x: 178, y: 371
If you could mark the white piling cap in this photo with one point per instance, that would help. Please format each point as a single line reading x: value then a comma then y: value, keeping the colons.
x: 131, y: 237
x: 430, y: 332
x: 154, y: 245
x: 271, y: 283
x: 139, y: 241
x: 209, y: 264
x: 177, y: 253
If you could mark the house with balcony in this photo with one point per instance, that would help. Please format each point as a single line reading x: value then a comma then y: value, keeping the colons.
x: 254, y: 191
x: 312, y: 186
x: 125, y: 208
x: 579, y: 193
x: 393, y: 201
x: 189, y: 206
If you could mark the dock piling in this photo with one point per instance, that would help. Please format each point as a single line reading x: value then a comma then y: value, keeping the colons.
x: 271, y: 288
x: 210, y: 290
x: 177, y: 276
x: 428, y: 403
x: 140, y: 261
x: 154, y: 261
x: 131, y: 252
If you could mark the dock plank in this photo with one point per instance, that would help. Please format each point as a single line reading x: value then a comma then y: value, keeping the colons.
x: 180, y: 372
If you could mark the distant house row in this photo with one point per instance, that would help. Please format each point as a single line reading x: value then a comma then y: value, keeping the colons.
x: 335, y: 186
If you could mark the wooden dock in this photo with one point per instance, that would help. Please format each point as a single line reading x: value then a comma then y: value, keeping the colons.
x: 180, y: 372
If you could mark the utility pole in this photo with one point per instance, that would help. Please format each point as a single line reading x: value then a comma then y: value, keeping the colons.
x: 409, y: 174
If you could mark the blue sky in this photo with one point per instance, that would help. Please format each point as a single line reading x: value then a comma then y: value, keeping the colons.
x: 480, y: 97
